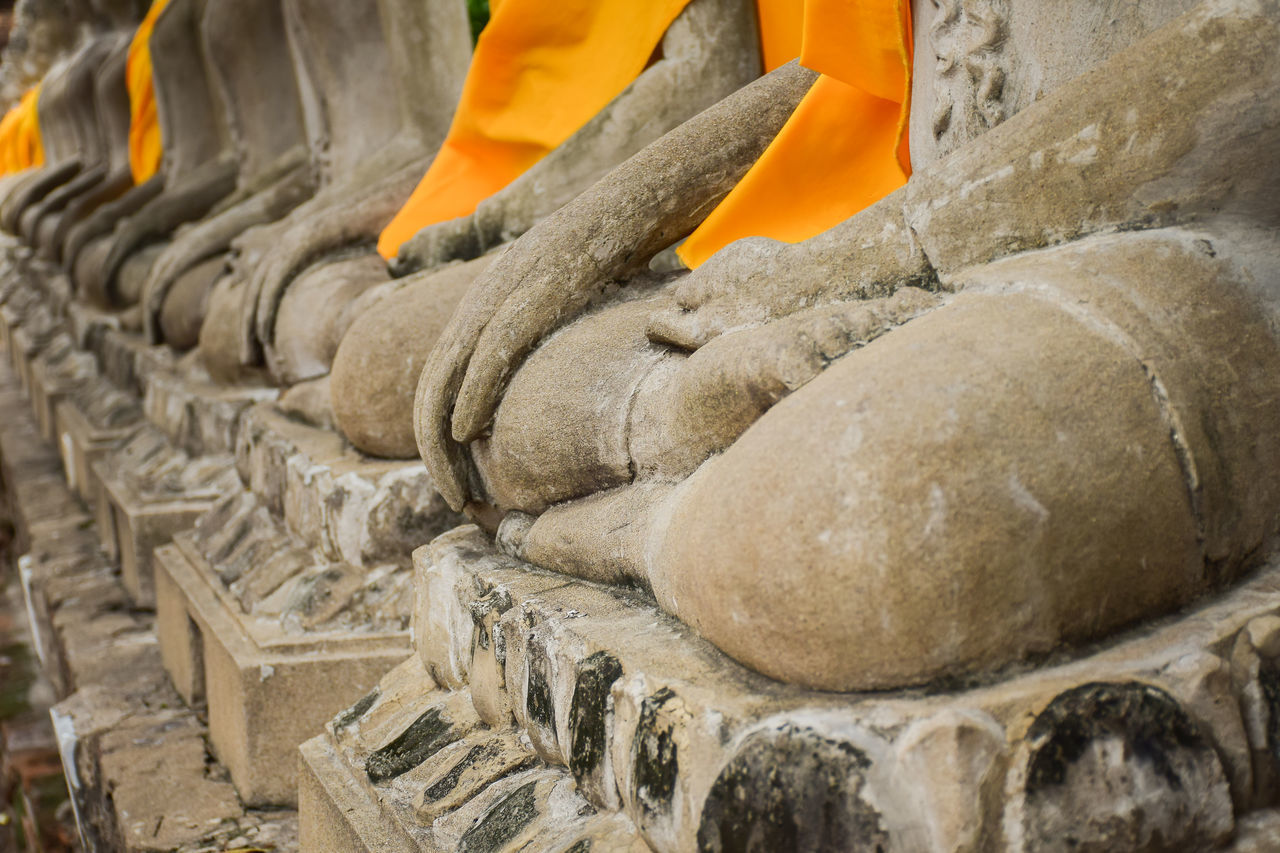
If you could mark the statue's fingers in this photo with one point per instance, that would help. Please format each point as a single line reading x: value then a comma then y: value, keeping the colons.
x: 675, y: 328
x: 522, y: 320
x: 438, y: 384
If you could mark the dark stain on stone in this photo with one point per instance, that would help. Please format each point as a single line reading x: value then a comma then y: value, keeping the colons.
x: 654, y: 754
x: 583, y: 846
x: 425, y: 736
x: 356, y: 711
x: 1269, y: 681
x: 1149, y: 721
x: 492, y: 602
x: 502, y: 823
x: 791, y: 789
x: 538, y: 699
x: 442, y: 786
x: 587, y: 713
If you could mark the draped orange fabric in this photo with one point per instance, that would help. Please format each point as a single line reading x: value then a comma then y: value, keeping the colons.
x: 781, y: 25
x: 144, y: 123
x: 22, y: 147
x: 541, y: 70
x: 8, y: 139
x: 845, y: 146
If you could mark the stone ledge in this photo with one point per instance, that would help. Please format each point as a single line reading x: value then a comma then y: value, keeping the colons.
x: 136, y: 757
x: 1168, y: 729
x: 266, y: 690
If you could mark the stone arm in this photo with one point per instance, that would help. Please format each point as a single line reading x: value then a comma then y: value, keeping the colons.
x: 112, y: 186
x: 36, y: 186
x: 102, y: 220
x: 182, y: 201
x: 215, y: 233
x: 709, y: 52
x: 297, y: 157
x: 1016, y: 188
x: 606, y: 234
x: 84, y: 180
x: 345, y: 223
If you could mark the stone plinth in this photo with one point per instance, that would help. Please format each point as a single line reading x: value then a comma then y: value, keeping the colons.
x: 305, y: 577
x: 55, y: 376
x: 266, y: 689
x: 93, y: 422
x: 150, y: 491
x: 1165, y: 733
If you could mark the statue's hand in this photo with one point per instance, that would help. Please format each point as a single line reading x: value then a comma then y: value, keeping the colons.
x: 436, y: 245
x: 728, y: 384
x: 738, y: 287
x: 607, y: 234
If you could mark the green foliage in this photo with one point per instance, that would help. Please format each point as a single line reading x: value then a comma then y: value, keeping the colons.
x: 479, y: 12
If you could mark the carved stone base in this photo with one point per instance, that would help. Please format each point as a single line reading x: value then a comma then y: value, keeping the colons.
x: 446, y: 782
x: 94, y: 422
x: 1167, y: 736
x: 288, y: 600
x: 266, y: 690
x: 54, y: 378
x: 150, y: 491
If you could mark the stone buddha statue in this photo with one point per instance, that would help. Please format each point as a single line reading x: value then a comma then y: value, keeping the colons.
x: 1027, y: 400
x: 62, y: 133
x: 368, y: 144
x: 71, y: 126
x: 77, y: 139
x: 254, y: 73
x: 111, y: 255
x: 114, y: 176
x: 708, y: 52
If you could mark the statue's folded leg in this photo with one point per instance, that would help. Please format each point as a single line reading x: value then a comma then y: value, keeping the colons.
x: 314, y: 314
x: 382, y: 353
x: 1081, y: 438
x: 184, y: 308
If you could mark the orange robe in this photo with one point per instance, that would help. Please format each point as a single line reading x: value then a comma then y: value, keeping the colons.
x: 541, y: 70
x: 8, y: 137
x: 144, y: 123
x: 845, y: 146
x: 20, y: 144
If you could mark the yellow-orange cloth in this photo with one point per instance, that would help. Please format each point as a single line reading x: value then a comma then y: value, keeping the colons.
x: 8, y: 138
x: 781, y: 24
x: 541, y: 70
x: 144, y: 123
x: 845, y: 146
x: 20, y: 144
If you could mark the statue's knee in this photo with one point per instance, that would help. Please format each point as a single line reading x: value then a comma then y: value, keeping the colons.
x: 380, y: 357
x: 312, y: 316
x: 562, y: 429
x: 183, y: 309
x: 986, y: 482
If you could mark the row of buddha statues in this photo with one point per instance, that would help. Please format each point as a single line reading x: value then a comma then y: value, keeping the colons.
x: 880, y: 343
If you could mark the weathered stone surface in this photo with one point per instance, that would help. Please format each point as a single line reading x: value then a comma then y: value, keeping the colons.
x: 136, y: 760
x: 377, y: 364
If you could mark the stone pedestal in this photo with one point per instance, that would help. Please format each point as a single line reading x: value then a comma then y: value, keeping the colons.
x: 90, y: 424
x: 289, y: 599
x: 1166, y: 733
x: 54, y: 378
x: 266, y: 690
x: 150, y: 491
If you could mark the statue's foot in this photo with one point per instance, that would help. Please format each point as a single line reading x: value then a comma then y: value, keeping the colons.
x: 132, y: 275
x: 219, y: 344
x: 184, y: 306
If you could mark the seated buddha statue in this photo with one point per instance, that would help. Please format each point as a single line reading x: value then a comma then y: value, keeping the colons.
x: 1027, y: 399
